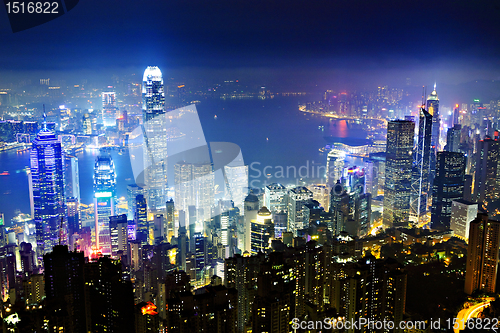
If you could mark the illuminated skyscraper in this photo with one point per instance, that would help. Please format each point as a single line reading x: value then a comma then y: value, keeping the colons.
x: 262, y: 231
x: 398, y: 168
x: 296, y: 217
x: 71, y: 177
x: 453, y: 138
x: 420, y: 184
x: 486, y: 186
x: 104, y: 200
x: 462, y: 214
x: 275, y: 197
x: 236, y: 184
x: 448, y: 186
x: 132, y: 192
x: 155, y: 143
x: 250, y: 213
x: 109, y: 109
x: 141, y: 219
x: 433, y: 109
x: 194, y: 186
x: 321, y: 194
x: 335, y: 163
x: 482, y: 255
x: 47, y: 181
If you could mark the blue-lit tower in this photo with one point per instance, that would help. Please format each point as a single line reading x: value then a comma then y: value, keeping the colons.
x: 47, y: 177
x: 155, y: 144
x: 433, y: 109
x: 104, y: 200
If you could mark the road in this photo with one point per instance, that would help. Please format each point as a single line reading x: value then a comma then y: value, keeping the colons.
x: 470, y: 312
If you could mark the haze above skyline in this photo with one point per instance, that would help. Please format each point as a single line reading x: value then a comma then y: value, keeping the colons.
x: 346, y: 43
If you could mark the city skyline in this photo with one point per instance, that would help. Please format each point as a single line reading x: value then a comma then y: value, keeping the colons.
x: 264, y: 166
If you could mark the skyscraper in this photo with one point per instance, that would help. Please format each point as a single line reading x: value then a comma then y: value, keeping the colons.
x: 47, y: 189
x: 71, y: 177
x: 141, y: 219
x: 482, y: 255
x: 250, y: 213
x: 104, y: 200
x: 155, y: 141
x: 462, y: 214
x: 132, y: 192
x: 398, y: 165
x: 334, y: 165
x: 433, y: 109
x: 296, y: 199
x: 420, y: 184
x: 236, y: 179
x: 448, y: 186
x: 262, y: 231
x: 453, y: 138
x: 109, y: 109
x: 194, y: 186
x: 486, y: 185
x: 275, y: 197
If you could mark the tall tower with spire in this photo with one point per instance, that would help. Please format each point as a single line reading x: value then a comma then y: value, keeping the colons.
x: 104, y: 200
x: 155, y: 138
x: 47, y: 186
x: 433, y: 109
x: 421, y: 167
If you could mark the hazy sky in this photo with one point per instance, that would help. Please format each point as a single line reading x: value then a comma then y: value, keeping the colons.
x: 336, y: 41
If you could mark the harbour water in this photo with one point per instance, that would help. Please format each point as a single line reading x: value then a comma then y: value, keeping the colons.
x: 271, y: 133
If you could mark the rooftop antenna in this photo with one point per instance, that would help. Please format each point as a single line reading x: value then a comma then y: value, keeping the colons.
x: 423, y: 96
x: 434, y: 85
x: 44, y: 119
x: 61, y: 230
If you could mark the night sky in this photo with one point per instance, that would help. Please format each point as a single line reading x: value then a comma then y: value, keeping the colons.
x: 341, y: 41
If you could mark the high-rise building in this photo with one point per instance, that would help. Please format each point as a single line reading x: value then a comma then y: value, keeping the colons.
x: 236, y: 180
x: 71, y: 177
x: 73, y: 207
x: 119, y: 237
x: 170, y: 229
x: 47, y: 182
x: 155, y: 145
x: 262, y: 231
x: 64, y: 287
x: 335, y: 163
x: 321, y: 193
x: 448, y: 186
x: 362, y: 214
x: 372, y: 288
x: 194, y: 186
x: 433, y: 109
x: 296, y: 217
x: 109, y: 300
x: 87, y: 124
x: 420, y: 184
x: 132, y: 192
x: 275, y: 197
x: 104, y: 200
x: 482, y: 255
x: 486, y: 185
x: 109, y: 109
x: 453, y: 138
x: 398, y: 168
x: 250, y: 213
x: 462, y: 214
x: 201, y: 254
x: 141, y: 219
x: 339, y: 207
